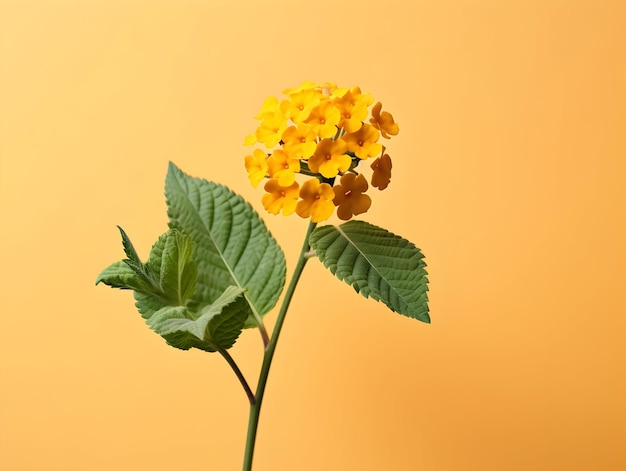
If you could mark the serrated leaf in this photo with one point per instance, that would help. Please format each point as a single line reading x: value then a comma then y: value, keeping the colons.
x: 173, y: 323
x: 162, y: 286
x: 168, y: 278
x: 226, y: 325
x: 129, y: 249
x: 172, y: 267
x: 149, y: 303
x: 121, y: 275
x: 232, y: 245
x: 377, y: 264
x: 219, y: 325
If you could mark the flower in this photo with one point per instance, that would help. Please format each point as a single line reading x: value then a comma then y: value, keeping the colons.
x: 353, y: 111
x: 383, y: 121
x: 256, y: 165
x: 283, y: 168
x: 324, y: 119
x: 363, y: 142
x: 317, y: 200
x: 270, y: 107
x: 280, y: 197
x: 330, y: 158
x: 382, y: 171
x: 300, y: 104
x: 319, y: 131
x: 299, y: 142
x: 271, y: 129
x: 349, y: 197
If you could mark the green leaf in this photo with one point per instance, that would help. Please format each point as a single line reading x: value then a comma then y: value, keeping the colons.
x: 232, y: 245
x: 172, y: 267
x: 218, y: 326
x: 163, y: 288
x: 121, y: 275
x: 377, y: 263
x: 169, y: 275
x: 132, y: 260
x: 228, y: 316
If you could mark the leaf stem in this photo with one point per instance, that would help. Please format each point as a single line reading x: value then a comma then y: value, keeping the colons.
x: 255, y: 407
x: 264, y: 336
x: 259, y: 321
x: 238, y: 372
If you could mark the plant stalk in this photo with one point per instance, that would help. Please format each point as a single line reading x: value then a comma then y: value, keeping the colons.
x: 238, y: 372
x: 255, y: 407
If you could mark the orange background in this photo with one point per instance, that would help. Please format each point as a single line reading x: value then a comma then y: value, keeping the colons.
x: 509, y: 173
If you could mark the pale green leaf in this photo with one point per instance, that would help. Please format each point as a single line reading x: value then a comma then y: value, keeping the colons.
x: 169, y: 275
x: 219, y: 325
x: 162, y: 288
x: 121, y: 275
x: 229, y: 314
x: 232, y: 246
x: 129, y: 249
x: 172, y: 267
x: 377, y: 264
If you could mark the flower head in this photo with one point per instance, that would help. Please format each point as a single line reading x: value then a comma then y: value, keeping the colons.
x: 319, y: 130
x: 317, y: 200
x: 349, y: 197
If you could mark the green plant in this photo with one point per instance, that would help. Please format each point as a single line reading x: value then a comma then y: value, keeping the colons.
x: 218, y: 270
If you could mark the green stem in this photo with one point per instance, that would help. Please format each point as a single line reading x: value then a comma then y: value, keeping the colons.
x: 264, y: 335
x: 255, y: 407
x: 259, y: 321
x: 238, y: 372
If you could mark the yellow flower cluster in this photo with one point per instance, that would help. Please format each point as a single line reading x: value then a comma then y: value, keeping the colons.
x: 319, y: 131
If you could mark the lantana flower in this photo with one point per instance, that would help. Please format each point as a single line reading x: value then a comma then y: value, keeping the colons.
x: 300, y: 141
x: 317, y: 200
x: 271, y: 129
x: 330, y: 158
x: 300, y: 104
x: 383, y: 121
x: 280, y: 197
x: 382, y: 171
x: 353, y: 111
x: 324, y: 119
x: 319, y: 131
x: 282, y: 167
x: 256, y: 165
x: 349, y: 197
x: 364, y: 142
x: 270, y: 107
